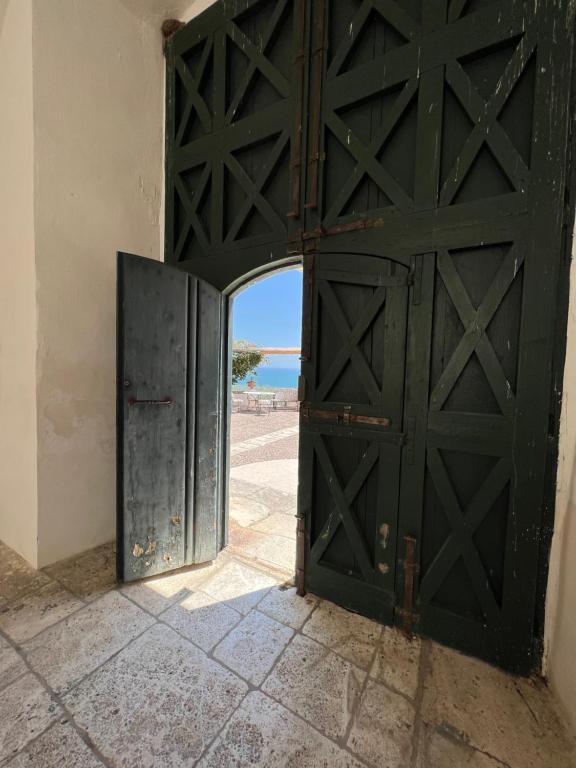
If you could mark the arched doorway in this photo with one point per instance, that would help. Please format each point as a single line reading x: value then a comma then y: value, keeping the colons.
x: 263, y: 373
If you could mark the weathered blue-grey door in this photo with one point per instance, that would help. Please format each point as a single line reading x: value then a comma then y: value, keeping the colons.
x: 169, y: 369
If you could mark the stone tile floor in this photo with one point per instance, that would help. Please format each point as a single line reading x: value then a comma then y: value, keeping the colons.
x: 263, y: 488
x: 224, y: 666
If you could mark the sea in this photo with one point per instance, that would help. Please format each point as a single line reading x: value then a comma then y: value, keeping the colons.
x: 277, y: 378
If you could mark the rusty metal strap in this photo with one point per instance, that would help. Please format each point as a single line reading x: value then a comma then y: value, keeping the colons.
x: 343, y: 417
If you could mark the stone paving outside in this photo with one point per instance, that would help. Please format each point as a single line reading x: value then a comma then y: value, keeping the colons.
x: 223, y: 666
x: 263, y: 487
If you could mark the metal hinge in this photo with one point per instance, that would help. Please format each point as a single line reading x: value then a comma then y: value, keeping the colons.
x: 410, y: 567
x: 300, y: 556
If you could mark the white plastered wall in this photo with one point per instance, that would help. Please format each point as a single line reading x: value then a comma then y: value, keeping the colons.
x: 98, y: 100
x: 81, y: 149
x: 560, y: 650
x: 18, y: 496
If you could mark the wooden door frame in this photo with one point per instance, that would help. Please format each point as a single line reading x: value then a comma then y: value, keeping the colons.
x: 563, y: 295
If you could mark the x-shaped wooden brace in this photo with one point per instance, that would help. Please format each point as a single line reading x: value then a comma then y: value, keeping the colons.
x: 351, y: 338
x: 191, y: 206
x: 253, y: 189
x: 476, y: 321
x: 485, y: 115
x: 366, y: 156
x: 343, y: 500
x: 390, y: 10
x: 192, y: 85
x: 460, y: 542
x: 258, y: 60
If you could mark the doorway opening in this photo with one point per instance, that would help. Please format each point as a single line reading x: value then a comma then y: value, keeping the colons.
x: 263, y: 422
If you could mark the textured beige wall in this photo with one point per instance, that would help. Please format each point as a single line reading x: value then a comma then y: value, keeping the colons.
x: 98, y: 101
x: 18, y: 493
x: 560, y: 655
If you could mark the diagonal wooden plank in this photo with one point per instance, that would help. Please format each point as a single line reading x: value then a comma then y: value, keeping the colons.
x: 356, y: 26
x: 351, y: 526
x: 256, y: 55
x: 263, y: 177
x: 251, y: 70
x: 190, y: 206
x: 276, y: 224
x: 482, y: 317
x: 384, y: 130
x: 487, y: 130
x: 400, y: 19
x: 198, y: 102
x: 466, y: 546
x: 351, y: 338
x: 454, y: 367
x: 485, y: 117
x: 189, y: 106
x: 182, y: 238
x: 475, y: 323
x: 368, y: 162
x: 350, y: 492
x: 476, y: 512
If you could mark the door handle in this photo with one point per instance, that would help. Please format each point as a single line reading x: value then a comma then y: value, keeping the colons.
x: 165, y: 401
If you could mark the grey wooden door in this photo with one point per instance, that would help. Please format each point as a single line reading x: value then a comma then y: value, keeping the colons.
x: 352, y: 428
x: 169, y: 379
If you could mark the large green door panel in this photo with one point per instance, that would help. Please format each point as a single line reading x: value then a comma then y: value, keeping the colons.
x: 440, y: 129
x: 235, y: 79
x: 423, y: 105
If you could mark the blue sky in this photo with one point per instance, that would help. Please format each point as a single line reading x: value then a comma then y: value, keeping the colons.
x: 269, y: 314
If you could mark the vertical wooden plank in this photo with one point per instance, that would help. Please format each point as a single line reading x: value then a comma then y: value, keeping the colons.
x: 394, y: 343
x: 541, y: 269
x: 171, y: 128
x: 307, y: 386
x: 217, y: 233
x: 152, y: 369
x: 191, y: 416
x: 208, y: 466
x: 227, y: 324
x: 430, y: 107
x: 416, y: 411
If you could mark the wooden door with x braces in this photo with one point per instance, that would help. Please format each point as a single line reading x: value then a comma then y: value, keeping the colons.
x: 352, y: 428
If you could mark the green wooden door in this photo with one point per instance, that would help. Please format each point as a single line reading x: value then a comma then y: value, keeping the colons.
x: 438, y: 131
x: 432, y: 135
x: 351, y: 429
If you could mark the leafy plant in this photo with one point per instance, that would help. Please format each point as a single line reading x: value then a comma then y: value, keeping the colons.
x: 245, y: 359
